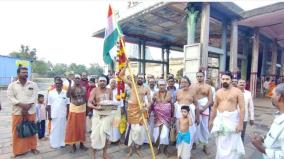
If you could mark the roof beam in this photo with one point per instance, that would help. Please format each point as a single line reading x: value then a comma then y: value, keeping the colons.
x: 153, y: 40
x: 264, y: 26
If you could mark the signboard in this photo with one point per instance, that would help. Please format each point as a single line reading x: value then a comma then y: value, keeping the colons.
x: 23, y: 63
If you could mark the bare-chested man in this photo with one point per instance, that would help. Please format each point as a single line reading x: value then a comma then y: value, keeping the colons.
x: 163, y: 112
x: 102, y: 120
x: 76, y: 123
x: 186, y: 96
x: 136, y: 131
x: 204, y: 98
x: 226, y: 121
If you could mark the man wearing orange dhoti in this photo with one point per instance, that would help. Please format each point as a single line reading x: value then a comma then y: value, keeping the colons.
x: 22, y: 94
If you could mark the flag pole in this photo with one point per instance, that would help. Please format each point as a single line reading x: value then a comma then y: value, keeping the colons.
x: 139, y: 102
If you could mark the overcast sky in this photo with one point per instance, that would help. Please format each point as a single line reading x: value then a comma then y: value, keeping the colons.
x: 61, y: 30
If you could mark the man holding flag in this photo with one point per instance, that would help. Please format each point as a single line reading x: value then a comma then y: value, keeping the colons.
x: 136, y: 131
x: 139, y: 101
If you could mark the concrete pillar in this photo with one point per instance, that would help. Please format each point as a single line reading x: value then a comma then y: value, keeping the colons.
x: 224, y: 47
x: 245, y: 61
x: 204, y: 35
x: 234, y: 49
x: 264, y: 60
x: 282, y: 63
x: 274, y: 59
x: 139, y: 57
x: 163, y: 60
x: 168, y: 61
x: 191, y: 58
x: 143, y: 58
x: 191, y: 13
x: 254, y: 63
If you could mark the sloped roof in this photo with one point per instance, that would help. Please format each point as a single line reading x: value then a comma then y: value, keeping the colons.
x: 164, y: 23
x: 269, y: 19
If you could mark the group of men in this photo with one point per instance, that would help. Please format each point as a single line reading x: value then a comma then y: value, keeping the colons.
x: 154, y: 107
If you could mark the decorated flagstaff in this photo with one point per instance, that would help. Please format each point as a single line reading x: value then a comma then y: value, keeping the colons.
x: 114, y: 35
x: 120, y: 64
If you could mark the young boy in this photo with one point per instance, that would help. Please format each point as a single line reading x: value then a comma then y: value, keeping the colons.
x: 183, y: 136
x: 41, y: 116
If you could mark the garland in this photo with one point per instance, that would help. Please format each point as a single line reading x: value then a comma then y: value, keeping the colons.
x: 120, y: 64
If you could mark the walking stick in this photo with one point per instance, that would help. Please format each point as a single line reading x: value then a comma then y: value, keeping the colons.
x: 139, y: 103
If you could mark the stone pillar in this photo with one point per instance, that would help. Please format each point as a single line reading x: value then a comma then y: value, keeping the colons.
x: 143, y: 58
x: 191, y: 58
x: 224, y: 48
x: 274, y: 59
x: 163, y: 60
x: 254, y: 63
x: 168, y: 61
x: 204, y: 35
x: 245, y: 61
x: 264, y: 60
x: 191, y: 13
x: 139, y: 57
x: 282, y: 63
x: 234, y: 49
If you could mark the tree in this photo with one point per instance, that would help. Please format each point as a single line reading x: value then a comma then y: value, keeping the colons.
x: 25, y: 53
x: 78, y: 69
x: 58, y: 70
x: 40, y: 66
x: 95, y: 69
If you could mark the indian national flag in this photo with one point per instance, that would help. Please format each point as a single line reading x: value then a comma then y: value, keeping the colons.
x: 112, y: 33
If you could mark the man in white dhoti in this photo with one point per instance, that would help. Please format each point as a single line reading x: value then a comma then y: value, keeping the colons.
x: 102, y: 120
x: 153, y: 90
x: 249, y: 107
x: 135, y: 133
x: 57, y: 112
x: 186, y: 96
x: 115, y: 134
x: 163, y: 112
x: 272, y: 147
x: 204, y: 97
x: 226, y: 122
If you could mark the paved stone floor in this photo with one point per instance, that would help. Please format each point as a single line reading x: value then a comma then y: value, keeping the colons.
x: 263, y: 119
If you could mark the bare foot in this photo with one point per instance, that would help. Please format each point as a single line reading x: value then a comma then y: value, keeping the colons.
x: 193, y: 146
x: 105, y: 156
x: 157, y: 151
x: 35, y: 151
x: 205, y: 150
x: 44, y: 139
x: 167, y: 154
x: 129, y: 153
x: 83, y: 147
x: 138, y: 152
x: 72, y: 148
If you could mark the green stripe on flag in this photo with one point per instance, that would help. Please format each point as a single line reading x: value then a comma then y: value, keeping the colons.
x: 109, y: 43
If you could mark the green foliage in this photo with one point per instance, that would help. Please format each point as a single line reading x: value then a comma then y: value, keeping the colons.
x: 60, y: 69
x: 95, y: 69
x: 25, y: 53
x: 40, y: 66
x: 77, y: 69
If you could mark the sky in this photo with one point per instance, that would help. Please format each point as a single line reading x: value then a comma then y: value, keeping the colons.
x: 61, y: 31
